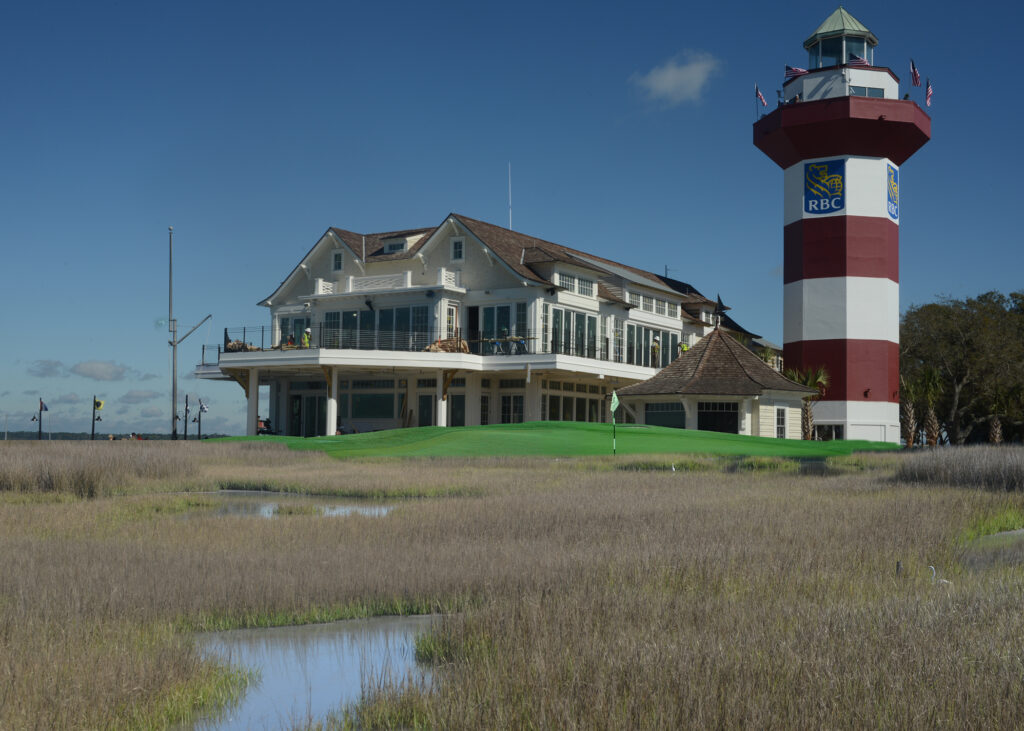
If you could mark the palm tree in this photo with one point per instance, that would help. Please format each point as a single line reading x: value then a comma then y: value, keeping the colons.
x: 908, y: 417
x: 929, y: 386
x: 814, y: 377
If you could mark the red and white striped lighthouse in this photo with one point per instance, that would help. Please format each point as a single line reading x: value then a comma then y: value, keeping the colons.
x: 840, y: 135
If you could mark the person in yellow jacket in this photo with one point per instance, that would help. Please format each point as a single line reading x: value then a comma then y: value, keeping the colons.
x: 305, y: 337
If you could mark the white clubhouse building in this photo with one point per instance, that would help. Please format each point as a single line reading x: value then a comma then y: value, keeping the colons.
x: 463, y: 324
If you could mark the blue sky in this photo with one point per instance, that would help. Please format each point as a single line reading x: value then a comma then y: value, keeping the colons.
x: 252, y: 127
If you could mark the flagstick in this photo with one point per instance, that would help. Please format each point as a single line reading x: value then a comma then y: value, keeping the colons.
x: 613, y: 433
x: 92, y: 436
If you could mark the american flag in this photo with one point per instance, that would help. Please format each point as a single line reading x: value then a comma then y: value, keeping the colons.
x: 928, y: 93
x: 43, y: 407
x: 759, y: 95
x: 915, y: 75
x: 793, y: 71
x: 856, y: 60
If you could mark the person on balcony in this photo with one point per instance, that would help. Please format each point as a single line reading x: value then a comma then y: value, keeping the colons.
x: 656, y: 353
x: 305, y: 337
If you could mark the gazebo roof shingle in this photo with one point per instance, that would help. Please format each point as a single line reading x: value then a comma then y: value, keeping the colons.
x: 717, y: 365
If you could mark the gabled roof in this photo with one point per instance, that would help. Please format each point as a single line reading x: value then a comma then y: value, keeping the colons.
x: 841, y: 23
x: 375, y: 246
x: 717, y: 365
x: 517, y: 251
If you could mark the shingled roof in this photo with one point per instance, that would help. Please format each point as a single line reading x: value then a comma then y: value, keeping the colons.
x: 717, y: 365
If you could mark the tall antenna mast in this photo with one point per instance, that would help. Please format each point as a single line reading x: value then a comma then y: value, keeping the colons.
x: 510, y: 195
x: 172, y: 327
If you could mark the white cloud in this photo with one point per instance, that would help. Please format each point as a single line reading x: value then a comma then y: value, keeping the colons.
x: 151, y: 412
x: 47, y: 369
x: 100, y: 370
x: 678, y: 80
x: 139, y: 397
x: 68, y: 398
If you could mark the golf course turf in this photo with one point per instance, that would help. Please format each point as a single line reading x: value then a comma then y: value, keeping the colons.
x: 564, y: 439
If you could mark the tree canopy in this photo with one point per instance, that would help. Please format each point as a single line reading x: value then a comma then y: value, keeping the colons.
x: 964, y: 359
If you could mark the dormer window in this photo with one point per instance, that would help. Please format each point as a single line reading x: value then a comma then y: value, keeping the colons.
x: 567, y: 282
x: 394, y: 247
x: 338, y: 261
x: 587, y: 287
x: 458, y: 249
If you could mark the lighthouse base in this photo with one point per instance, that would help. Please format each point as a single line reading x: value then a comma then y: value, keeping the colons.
x: 876, y: 421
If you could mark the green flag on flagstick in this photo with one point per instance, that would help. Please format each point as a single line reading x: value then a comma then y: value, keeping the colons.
x: 615, y: 405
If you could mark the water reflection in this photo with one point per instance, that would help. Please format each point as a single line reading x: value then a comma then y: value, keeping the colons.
x: 269, y: 505
x: 1000, y: 549
x: 307, y: 671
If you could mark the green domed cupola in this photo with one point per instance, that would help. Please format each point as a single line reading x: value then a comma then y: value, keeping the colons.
x: 838, y: 40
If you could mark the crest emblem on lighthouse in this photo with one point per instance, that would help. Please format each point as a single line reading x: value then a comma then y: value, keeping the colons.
x: 893, y: 192
x: 824, y: 186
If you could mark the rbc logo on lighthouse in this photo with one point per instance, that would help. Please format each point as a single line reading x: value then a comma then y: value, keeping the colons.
x: 893, y: 190
x: 824, y: 186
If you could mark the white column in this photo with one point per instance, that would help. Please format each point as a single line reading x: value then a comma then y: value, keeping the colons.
x: 690, y: 404
x: 283, y: 414
x: 331, y: 427
x: 473, y: 400
x: 442, y: 405
x: 252, y: 413
x: 531, y: 400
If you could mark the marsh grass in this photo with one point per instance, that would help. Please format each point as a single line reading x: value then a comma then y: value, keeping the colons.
x: 577, y: 594
x: 984, y: 467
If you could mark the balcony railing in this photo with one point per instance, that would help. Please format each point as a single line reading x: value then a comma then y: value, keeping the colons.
x: 447, y: 278
x: 261, y: 338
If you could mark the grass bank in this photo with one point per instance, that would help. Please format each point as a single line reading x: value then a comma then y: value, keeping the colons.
x: 562, y: 439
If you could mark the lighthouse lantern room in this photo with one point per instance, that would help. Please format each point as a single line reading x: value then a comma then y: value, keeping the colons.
x: 840, y: 134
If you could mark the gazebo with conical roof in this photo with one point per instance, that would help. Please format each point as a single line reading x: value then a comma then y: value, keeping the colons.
x: 718, y: 385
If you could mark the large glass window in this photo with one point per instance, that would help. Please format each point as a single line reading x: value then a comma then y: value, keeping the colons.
x: 373, y: 406
x: 511, y: 409
x: 420, y: 327
x: 349, y: 328
x: 386, y: 329
x: 367, y: 329
x: 521, y: 328
x: 332, y: 330
x: 546, y: 327
x: 856, y: 47
x: 580, y: 333
x: 832, y: 52
x: 403, y: 328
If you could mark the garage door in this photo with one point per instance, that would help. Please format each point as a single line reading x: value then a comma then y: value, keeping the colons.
x: 722, y: 416
x: 665, y: 414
